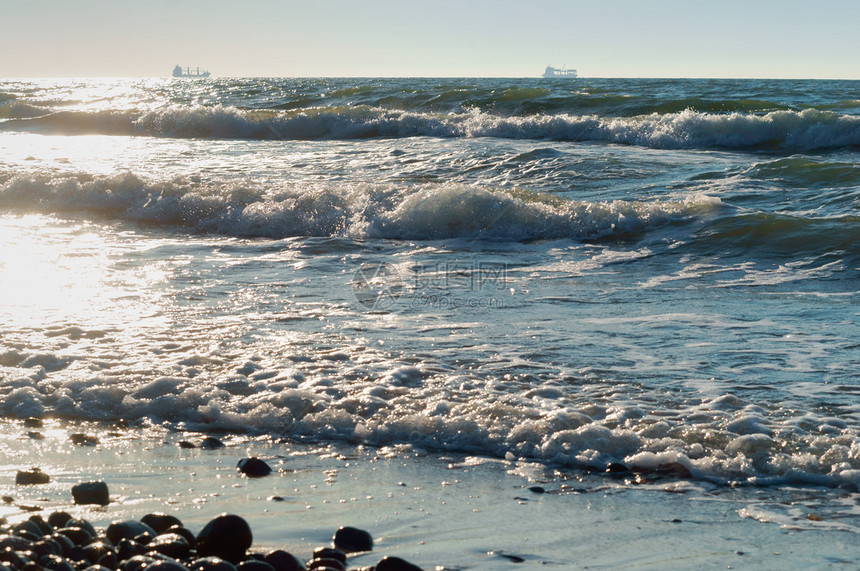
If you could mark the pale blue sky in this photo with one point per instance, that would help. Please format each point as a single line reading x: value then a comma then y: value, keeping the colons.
x: 606, y: 38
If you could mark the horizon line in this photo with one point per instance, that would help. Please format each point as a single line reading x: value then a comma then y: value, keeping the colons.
x: 538, y: 77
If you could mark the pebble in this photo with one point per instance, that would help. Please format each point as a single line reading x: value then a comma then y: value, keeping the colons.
x: 83, y: 439
x: 333, y: 564
x: 160, y: 522
x: 59, y: 519
x: 64, y: 543
x: 211, y: 564
x: 253, y: 467
x: 101, y: 553
x: 254, y: 565
x: 329, y: 553
x: 128, y: 529
x: 31, y: 477
x: 184, y: 532
x: 170, y: 544
x: 283, y: 561
x: 352, y: 540
x: 78, y: 535
x: 211, y: 443
x: 227, y: 536
x: 395, y: 564
x: 91, y: 493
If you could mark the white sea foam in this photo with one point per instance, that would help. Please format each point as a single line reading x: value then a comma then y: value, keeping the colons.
x: 809, y: 129
x: 436, y: 211
x: 410, y: 405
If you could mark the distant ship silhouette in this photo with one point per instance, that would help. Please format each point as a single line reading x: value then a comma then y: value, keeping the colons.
x: 555, y: 72
x: 178, y: 72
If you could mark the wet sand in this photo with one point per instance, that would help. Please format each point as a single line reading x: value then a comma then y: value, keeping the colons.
x: 439, y: 512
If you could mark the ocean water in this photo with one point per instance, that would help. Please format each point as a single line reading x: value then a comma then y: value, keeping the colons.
x: 577, y: 273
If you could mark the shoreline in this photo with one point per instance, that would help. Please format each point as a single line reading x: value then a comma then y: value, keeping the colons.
x: 436, y: 511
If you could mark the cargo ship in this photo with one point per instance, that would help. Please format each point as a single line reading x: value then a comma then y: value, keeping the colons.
x: 556, y: 72
x: 179, y: 72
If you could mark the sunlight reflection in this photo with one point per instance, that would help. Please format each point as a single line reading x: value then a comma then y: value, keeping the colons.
x: 54, y: 272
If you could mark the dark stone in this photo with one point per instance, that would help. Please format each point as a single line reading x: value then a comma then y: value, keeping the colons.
x: 184, y: 532
x: 31, y: 477
x: 83, y: 439
x: 352, y: 540
x: 8, y: 499
x: 211, y: 564
x: 326, y: 564
x: 78, y: 535
x: 44, y: 526
x: 33, y: 422
x: 537, y: 489
x: 59, y: 519
x: 616, y: 468
x: 283, y: 561
x: 211, y: 443
x: 170, y: 544
x: 253, y: 467
x: 100, y: 553
x: 28, y: 530
x: 98, y: 568
x: 186, y: 444
x: 227, y: 536
x: 511, y: 557
x: 128, y: 529
x: 164, y: 565
x: 35, y: 435
x: 329, y: 553
x: 65, y: 543
x: 76, y: 554
x: 46, y: 546
x: 83, y: 524
x: 91, y: 493
x: 56, y: 563
x: 14, y: 543
x: 670, y: 470
x: 128, y: 548
x: 395, y: 564
x: 144, y: 538
x: 160, y: 522
x: 254, y: 565
x: 137, y: 563
x: 17, y: 559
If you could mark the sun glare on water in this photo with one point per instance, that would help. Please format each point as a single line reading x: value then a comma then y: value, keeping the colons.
x: 56, y: 273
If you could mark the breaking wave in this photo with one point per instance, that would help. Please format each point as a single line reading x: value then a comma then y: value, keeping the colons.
x: 426, y: 212
x: 806, y: 130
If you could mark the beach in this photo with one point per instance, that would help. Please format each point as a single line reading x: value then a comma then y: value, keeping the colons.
x: 439, y: 512
x: 417, y: 299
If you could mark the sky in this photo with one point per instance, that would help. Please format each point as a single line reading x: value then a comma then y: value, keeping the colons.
x: 432, y: 38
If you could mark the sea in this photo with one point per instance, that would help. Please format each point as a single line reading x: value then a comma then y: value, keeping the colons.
x: 652, y: 276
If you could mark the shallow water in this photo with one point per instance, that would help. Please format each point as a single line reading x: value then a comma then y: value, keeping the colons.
x: 578, y: 273
x: 443, y: 512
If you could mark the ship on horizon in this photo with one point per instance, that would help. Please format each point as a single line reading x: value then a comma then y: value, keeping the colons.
x: 179, y: 72
x: 551, y: 72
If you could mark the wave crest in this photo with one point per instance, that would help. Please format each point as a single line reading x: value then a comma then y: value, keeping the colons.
x: 427, y: 212
x: 809, y: 129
